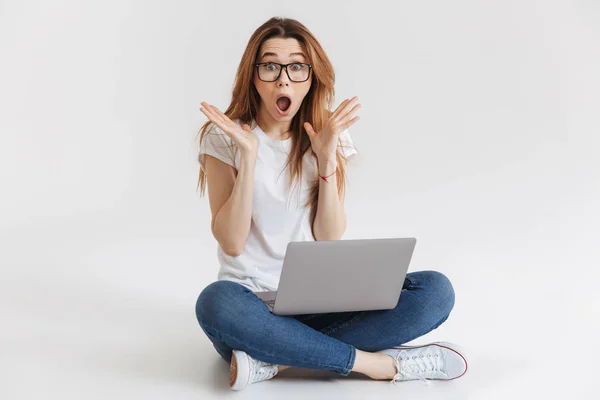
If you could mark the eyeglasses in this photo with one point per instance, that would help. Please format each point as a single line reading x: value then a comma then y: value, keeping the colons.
x: 270, y: 71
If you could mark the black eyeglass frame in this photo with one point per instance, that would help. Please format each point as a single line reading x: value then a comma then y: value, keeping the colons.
x: 281, y: 67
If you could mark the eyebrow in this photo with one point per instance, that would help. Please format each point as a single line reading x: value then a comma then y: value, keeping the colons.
x: 267, y: 54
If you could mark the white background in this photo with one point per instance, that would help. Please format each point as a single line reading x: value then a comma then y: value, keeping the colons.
x: 478, y: 136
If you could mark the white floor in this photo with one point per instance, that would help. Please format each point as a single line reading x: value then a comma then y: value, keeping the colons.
x: 95, y: 313
x: 480, y: 138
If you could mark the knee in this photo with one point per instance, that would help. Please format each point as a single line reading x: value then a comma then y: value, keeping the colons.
x: 440, y: 290
x: 215, y: 298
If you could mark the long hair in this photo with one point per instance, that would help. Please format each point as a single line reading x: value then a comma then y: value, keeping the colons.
x: 315, y: 108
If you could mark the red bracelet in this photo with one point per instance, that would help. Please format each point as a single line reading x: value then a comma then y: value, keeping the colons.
x: 325, y: 177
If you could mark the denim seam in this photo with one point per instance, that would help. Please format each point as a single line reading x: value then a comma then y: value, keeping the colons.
x: 412, y: 281
x: 343, y: 325
x: 219, y: 335
x: 350, y: 363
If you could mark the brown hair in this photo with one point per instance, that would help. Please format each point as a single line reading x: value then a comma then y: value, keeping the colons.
x: 245, y: 100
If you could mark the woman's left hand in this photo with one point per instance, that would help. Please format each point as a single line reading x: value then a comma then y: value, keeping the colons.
x: 324, y: 143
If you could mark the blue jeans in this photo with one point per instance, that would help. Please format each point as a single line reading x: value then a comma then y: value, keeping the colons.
x: 233, y: 317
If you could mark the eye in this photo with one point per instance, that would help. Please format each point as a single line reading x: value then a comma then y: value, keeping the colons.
x: 270, y: 66
x: 296, y: 66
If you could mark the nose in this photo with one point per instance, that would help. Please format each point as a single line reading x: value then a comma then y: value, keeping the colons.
x: 283, y: 80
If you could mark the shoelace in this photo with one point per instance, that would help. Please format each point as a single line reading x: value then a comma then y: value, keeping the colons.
x: 263, y: 371
x: 427, y: 364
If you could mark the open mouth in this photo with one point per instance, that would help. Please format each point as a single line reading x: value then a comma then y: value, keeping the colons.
x: 284, y: 102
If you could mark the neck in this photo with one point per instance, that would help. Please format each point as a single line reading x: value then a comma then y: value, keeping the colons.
x: 275, y: 129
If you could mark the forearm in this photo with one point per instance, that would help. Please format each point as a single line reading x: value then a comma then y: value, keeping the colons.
x: 330, y: 220
x: 232, y: 223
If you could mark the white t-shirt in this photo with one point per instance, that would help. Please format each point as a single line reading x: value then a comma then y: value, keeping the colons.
x: 277, y: 217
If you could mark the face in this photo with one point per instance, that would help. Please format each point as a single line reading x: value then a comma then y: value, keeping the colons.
x: 282, y: 51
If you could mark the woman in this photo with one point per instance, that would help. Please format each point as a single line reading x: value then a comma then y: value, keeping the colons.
x: 277, y: 133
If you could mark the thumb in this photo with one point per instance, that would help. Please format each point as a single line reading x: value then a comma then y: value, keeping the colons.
x: 246, y: 127
x: 309, y: 129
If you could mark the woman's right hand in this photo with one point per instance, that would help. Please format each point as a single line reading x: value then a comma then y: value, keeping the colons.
x: 242, y: 136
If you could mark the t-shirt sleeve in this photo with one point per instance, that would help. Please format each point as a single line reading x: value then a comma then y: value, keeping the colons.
x: 216, y: 143
x: 346, y: 144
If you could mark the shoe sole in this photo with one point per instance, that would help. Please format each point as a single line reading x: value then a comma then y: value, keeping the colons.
x: 232, y: 370
x: 239, y: 359
x: 450, y: 346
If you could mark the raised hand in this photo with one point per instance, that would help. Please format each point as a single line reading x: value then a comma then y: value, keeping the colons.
x: 324, y: 143
x: 242, y: 136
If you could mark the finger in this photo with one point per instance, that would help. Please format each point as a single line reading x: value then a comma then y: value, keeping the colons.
x: 223, y: 122
x: 220, y: 114
x: 220, y: 119
x: 210, y: 114
x: 340, y: 108
x: 348, y: 106
x: 204, y: 107
x: 207, y: 106
x: 309, y: 129
x: 223, y: 126
x: 215, y: 113
x: 208, y: 110
x: 350, y: 123
x: 351, y: 113
x: 345, y: 106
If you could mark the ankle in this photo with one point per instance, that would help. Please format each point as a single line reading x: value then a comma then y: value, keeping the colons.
x: 388, y: 367
x: 374, y: 365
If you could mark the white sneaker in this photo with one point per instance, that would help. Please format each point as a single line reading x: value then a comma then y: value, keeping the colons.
x: 245, y: 370
x: 438, y: 360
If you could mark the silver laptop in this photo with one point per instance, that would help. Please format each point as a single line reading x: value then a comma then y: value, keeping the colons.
x: 341, y: 275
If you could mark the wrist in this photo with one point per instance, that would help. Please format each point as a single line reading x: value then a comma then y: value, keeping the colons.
x: 326, y: 157
x: 327, y: 166
x: 248, y: 160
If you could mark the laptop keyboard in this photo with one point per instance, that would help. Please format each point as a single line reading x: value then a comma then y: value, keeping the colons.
x: 268, y: 298
x: 270, y: 304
